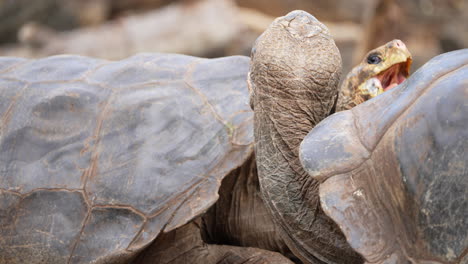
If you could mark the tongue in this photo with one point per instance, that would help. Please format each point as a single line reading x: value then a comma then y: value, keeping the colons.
x: 401, y: 78
x: 395, y: 80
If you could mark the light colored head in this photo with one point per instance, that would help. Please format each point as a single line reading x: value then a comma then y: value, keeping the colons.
x: 388, y: 65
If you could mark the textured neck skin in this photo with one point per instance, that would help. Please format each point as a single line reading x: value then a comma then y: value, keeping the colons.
x: 347, y: 97
x: 294, y: 76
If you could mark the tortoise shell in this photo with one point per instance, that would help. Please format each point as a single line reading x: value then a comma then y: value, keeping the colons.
x: 393, y: 170
x: 99, y: 157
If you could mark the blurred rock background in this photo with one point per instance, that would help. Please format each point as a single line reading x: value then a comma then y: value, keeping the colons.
x: 115, y: 29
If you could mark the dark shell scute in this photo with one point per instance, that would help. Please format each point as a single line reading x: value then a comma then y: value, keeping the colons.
x: 48, y: 131
x: 108, y: 231
x: 47, y: 225
x: 440, y: 130
x: 9, y: 63
x: 151, y: 131
x: 141, y: 69
x: 213, y: 78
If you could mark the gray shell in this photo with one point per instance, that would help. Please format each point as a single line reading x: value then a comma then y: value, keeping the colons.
x: 394, y: 169
x: 98, y: 157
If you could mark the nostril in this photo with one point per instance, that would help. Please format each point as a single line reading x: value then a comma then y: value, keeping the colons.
x: 399, y: 43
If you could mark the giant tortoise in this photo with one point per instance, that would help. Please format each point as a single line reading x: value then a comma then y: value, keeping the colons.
x: 393, y: 171
x: 100, y: 160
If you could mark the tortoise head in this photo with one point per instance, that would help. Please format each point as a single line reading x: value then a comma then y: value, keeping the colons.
x: 295, y: 59
x: 386, y: 67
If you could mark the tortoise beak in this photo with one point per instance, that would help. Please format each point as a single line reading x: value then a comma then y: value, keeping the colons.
x: 399, y: 55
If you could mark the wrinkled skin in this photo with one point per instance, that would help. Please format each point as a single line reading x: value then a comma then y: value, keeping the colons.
x: 291, y: 91
x: 393, y: 170
x: 240, y: 216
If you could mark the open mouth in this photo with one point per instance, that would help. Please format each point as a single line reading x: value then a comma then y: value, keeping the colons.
x: 394, y: 75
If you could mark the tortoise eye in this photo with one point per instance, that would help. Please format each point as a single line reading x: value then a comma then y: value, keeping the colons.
x: 373, y: 59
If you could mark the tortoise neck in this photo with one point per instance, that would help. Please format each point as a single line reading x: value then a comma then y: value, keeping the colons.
x: 293, y: 80
x: 280, y: 126
x: 288, y: 191
x: 285, y: 110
